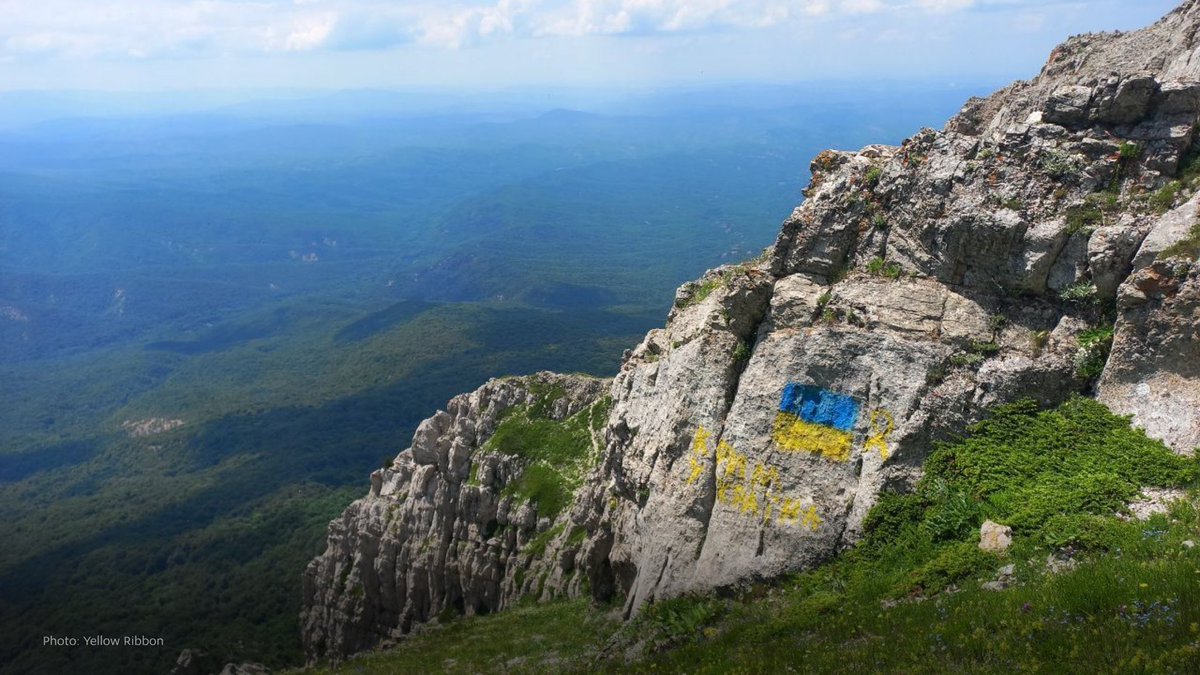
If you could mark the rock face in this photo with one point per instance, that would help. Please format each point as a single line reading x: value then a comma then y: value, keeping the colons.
x: 1154, y: 373
x: 438, y: 532
x: 916, y: 287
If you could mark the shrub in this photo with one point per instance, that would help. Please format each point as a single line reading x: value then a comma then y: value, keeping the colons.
x: 882, y: 268
x: 892, y: 517
x: 1038, y: 340
x: 954, y: 514
x: 966, y: 359
x: 1083, y: 218
x: 872, y: 176
x: 1094, y: 347
x: 952, y: 564
x: 1082, y: 531
x: 678, y: 620
x: 1082, y: 292
x: 1129, y: 151
x: 1189, y: 169
x: 935, y: 376
x: 741, y: 353
x: 1059, y: 164
x: 1027, y: 465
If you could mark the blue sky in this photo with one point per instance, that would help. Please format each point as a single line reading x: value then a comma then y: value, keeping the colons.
x: 189, y: 44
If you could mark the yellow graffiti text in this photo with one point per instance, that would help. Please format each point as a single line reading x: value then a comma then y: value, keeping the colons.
x: 749, y: 488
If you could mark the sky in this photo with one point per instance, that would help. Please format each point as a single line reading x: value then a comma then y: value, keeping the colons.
x: 162, y: 45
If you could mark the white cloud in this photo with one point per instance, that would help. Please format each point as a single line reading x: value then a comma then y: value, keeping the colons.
x: 162, y: 28
x: 945, y: 5
x: 862, y: 6
x: 816, y: 7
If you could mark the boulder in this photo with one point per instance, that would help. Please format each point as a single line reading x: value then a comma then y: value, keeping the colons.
x: 994, y: 537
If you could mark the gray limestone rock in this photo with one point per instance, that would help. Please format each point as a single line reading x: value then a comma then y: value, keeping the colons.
x: 1153, y: 373
x: 994, y: 537
x: 439, y: 532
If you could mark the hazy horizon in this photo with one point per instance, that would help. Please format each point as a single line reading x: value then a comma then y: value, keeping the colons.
x: 187, y: 45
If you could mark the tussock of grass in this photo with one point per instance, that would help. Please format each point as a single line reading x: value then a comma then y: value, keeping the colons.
x: 705, y: 287
x: 881, y: 267
x: 1083, y: 218
x: 1164, y: 200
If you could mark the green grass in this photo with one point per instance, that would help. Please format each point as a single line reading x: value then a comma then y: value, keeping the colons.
x: 537, y: 545
x: 557, y: 453
x: 880, y: 267
x: 1083, y: 292
x: 705, y: 287
x: 741, y: 353
x: 872, y: 176
x: 908, y: 597
x: 1094, y: 347
x: 1188, y: 247
x: 1083, y: 218
x: 1164, y: 200
x: 985, y: 348
x: 550, y: 638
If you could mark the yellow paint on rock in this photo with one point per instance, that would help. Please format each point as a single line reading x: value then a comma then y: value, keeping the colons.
x: 882, y: 426
x: 750, y: 488
x: 699, y: 453
x: 793, y: 434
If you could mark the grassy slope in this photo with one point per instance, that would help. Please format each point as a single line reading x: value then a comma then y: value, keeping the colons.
x: 909, y: 597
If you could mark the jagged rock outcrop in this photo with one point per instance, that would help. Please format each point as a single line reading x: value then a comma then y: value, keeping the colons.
x: 442, y: 530
x: 1154, y: 371
x: 915, y: 287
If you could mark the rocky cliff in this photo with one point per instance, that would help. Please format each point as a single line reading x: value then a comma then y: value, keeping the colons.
x: 1042, y: 244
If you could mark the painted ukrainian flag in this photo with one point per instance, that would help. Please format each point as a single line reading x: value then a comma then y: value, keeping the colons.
x: 815, y: 420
